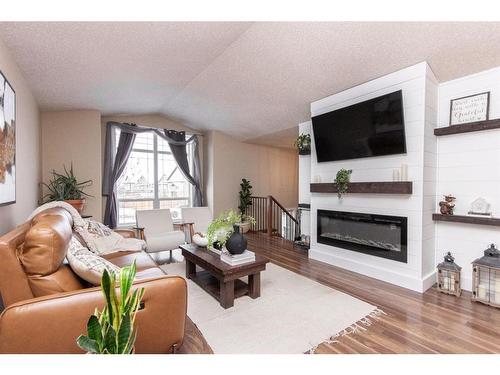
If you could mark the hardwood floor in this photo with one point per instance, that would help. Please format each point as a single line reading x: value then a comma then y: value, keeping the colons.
x: 413, y: 323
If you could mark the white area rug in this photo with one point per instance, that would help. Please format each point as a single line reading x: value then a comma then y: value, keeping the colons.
x: 293, y: 315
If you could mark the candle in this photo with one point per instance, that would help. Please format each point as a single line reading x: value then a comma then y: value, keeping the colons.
x: 481, y: 291
x: 497, y: 285
x: 446, y: 283
x: 497, y: 298
x: 404, y: 172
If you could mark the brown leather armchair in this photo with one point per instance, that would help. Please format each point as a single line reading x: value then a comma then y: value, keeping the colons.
x: 47, y: 305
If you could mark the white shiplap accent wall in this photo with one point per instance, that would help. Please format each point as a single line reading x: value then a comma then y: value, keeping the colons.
x: 468, y: 167
x: 465, y: 165
x: 429, y: 181
x: 416, y: 82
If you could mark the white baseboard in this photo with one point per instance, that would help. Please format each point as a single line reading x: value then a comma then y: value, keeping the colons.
x: 418, y: 285
x: 428, y: 281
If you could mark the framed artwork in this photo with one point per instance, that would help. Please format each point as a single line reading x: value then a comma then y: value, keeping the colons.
x: 470, y: 108
x: 7, y: 142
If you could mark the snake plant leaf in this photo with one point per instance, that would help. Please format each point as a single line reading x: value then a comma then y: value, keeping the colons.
x: 112, y: 303
x: 87, y: 344
x: 130, y: 302
x: 110, y: 340
x: 130, y: 344
x: 106, y: 289
x: 124, y: 334
x: 127, y: 276
x: 94, y: 329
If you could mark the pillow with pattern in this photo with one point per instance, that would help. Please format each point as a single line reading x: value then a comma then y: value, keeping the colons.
x: 86, y: 264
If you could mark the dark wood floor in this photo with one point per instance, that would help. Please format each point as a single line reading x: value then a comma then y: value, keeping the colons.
x: 414, y: 323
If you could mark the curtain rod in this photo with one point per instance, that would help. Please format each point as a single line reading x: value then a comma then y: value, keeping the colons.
x: 142, y: 126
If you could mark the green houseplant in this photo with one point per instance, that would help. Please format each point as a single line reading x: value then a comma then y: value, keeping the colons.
x: 65, y: 187
x: 245, y: 196
x: 342, y: 181
x: 111, y: 331
x: 221, y: 228
x: 303, y: 144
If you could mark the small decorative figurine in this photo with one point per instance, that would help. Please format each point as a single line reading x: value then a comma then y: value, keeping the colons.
x: 447, y: 206
x: 480, y: 207
x: 449, y: 276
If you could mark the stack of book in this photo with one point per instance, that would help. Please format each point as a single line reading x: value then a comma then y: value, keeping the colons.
x: 236, y: 260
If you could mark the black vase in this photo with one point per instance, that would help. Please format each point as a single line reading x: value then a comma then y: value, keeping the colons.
x: 237, y: 243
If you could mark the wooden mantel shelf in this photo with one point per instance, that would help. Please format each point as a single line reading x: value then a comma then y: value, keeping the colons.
x: 389, y: 187
x: 467, y: 219
x: 469, y: 127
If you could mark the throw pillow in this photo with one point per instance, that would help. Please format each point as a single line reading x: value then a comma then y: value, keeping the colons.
x: 86, y: 264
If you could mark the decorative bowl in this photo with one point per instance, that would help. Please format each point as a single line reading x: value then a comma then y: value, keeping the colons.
x: 200, y: 239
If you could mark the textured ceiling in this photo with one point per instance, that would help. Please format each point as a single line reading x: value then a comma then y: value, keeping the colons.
x: 246, y: 79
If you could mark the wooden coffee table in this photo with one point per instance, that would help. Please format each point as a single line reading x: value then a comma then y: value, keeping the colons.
x: 221, y: 280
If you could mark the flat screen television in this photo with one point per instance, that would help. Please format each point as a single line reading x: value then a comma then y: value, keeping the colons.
x: 371, y: 128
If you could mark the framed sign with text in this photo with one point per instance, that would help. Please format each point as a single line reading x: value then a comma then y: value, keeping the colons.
x: 470, y: 108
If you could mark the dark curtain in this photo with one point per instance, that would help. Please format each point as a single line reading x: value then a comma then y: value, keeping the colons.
x: 114, y: 163
x: 178, y: 145
x: 114, y: 167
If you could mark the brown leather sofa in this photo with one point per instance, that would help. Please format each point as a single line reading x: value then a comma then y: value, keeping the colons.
x: 47, y: 305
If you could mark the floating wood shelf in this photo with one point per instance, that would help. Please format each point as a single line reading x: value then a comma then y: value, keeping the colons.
x: 389, y: 187
x: 469, y: 127
x: 467, y: 219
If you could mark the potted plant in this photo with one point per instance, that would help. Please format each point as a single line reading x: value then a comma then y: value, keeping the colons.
x: 65, y: 187
x: 245, y: 196
x: 111, y: 331
x: 224, y: 231
x: 342, y: 180
x: 221, y: 229
x: 303, y: 144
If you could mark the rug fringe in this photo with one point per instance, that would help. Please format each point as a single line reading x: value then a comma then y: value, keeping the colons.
x: 354, y: 328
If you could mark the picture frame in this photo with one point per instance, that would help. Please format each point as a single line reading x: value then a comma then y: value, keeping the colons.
x: 471, y: 108
x: 7, y: 142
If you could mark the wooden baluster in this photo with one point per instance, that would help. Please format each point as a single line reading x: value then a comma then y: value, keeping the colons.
x: 269, y: 216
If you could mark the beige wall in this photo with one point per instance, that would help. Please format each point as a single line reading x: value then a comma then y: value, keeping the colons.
x: 27, y: 147
x: 271, y: 170
x: 74, y: 137
x: 79, y: 136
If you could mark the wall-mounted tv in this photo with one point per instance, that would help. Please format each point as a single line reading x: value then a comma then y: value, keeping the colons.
x: 371, y: 128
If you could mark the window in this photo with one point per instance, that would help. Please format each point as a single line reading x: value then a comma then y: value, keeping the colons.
x: 152, y: 179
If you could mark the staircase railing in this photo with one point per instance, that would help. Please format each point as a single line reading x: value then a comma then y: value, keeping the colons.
x: 272, y: 218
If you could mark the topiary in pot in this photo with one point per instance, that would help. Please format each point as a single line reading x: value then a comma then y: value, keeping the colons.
x: 111, y: 331
x: 245, y: 196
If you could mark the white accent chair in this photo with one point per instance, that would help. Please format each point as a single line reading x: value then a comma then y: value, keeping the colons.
x: 197, y: 219
x: 157, y: 230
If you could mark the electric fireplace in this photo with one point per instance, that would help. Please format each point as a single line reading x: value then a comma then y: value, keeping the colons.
x: 378, y: 235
